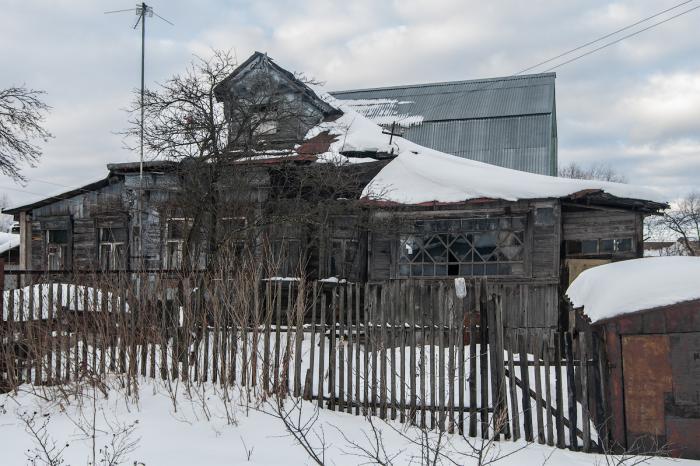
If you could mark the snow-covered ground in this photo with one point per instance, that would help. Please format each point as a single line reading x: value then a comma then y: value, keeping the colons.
x: 168, y: 426
x: 613, y: 289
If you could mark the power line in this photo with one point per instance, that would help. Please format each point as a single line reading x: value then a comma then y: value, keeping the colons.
x: 490, y: 84
x: 603, y: 37
x: 622, y: 38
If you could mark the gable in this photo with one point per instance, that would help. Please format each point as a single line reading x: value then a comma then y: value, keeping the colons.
x: 242, y: 79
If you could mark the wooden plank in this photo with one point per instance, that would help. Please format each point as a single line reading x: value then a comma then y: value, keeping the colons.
x: 266, y: 338
x: 585, y: 416
x: 60, y: 347
x: 473, y: 379
x: 332, y: 353
x: 350, y: 340
x: 548, y: 397
x: 434, y: 306
x: 391, y: 343
x: 312, y: 343
x: 408, y: 343
x: 278, y: 338
x: 493, y: 365
x: 424, y: 340
x: 341, y: 347
x: 559, y: 344
x: 374, y: 341
x: 525, y: 392
x: 35, y: 314
x: 358, y: 296
x: 461, y: 306
x: 571, y: 392
x: 298, y: 336
x: 383, y: 320
x: 500, y: 351
x: 365, y: 367
x: 291, y: 306
x: 255, y: 322
x: 514, y: 410
x: 451, y: 363
x: 538, y: 392
x: 483, y: 362
x: 441, y: 353
x: 321, y: 348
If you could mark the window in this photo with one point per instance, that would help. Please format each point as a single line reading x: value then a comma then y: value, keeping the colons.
x: 263, y: 119
x: 56, y: 249
x: 343, y: 257
x: 286, y: 257
x: 112, y: 248
x: 595, y: 247
x: 175, y: 235
x: 482, y: 246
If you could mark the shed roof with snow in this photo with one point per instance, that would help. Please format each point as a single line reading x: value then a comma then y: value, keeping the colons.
x: 508, y: 121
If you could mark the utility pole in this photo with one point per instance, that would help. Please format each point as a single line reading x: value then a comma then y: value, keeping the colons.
x: 142, y: 10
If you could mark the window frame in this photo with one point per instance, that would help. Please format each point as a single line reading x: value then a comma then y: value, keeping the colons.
x: 475, y: 257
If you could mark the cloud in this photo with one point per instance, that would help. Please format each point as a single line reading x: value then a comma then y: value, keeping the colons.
x: 634, y: 105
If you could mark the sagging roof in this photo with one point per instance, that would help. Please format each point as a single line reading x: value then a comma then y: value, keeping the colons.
x: 58, y: 197
x: 509, y: 121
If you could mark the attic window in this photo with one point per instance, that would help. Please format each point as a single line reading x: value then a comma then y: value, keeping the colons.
x: 264, y: 119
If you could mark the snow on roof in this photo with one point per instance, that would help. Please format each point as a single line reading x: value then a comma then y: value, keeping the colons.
x: 614, y: 289
x: 8, y: 241
x: 421, y: 175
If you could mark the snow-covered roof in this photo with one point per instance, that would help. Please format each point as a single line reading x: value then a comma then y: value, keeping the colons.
x: 622, y: 287
x: 8, y: 241
x: 420, y: 175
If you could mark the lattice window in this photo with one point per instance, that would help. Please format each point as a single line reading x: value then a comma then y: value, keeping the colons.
x: 465, y: 247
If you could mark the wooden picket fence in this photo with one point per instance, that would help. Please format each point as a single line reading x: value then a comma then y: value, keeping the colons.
x: 405, y: 350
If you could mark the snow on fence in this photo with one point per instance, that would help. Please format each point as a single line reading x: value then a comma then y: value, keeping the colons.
x: 374, y: 349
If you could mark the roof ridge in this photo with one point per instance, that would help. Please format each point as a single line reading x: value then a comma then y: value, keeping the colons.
x: 448, y: 83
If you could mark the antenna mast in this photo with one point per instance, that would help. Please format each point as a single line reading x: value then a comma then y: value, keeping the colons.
x: 142, y: 10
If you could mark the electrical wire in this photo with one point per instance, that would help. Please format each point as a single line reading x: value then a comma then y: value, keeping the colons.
x: 441, y: 104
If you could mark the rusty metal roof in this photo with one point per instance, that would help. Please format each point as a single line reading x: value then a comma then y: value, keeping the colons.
x: 510, y: 121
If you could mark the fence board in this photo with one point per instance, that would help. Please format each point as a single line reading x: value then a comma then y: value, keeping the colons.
x: 585, y: 417
x: 571, y: 389
x: 548, y: 397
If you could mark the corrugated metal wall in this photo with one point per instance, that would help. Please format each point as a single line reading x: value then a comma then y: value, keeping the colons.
x: 504, y: 121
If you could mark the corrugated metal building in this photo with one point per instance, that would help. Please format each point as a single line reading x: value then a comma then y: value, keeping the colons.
x: 508, y: 121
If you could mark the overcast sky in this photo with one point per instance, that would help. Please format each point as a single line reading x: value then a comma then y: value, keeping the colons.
x: 635, y: 105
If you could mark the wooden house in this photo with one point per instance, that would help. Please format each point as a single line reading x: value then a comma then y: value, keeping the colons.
x: 403, y: 211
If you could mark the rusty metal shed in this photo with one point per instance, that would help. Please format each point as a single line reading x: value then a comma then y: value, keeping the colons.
x: 653, y: 388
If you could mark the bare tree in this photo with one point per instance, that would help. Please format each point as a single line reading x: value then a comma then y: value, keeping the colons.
x: 598, y: 171
x: 216, y: 131
x: 682, y: 220
x: 22, y: 113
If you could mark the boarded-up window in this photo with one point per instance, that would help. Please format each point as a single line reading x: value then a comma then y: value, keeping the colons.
x: 463, y: 247
x: 112, y: 250
x: 56, y: 249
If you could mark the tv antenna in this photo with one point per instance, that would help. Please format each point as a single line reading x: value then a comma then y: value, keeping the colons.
x: 142, y: 11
